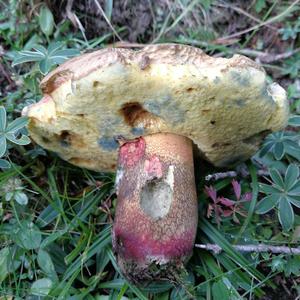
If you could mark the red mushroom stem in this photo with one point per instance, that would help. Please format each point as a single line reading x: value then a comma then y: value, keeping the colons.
x: 156, y: 215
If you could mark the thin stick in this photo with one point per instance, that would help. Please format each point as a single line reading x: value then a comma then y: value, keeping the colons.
x: 5, y: 74
x: 243, y: 12
x: 107, y: 20
x: 232, y: 174
x: 185, y: 11
x: 268, y: 57
x: 74, y: 19
x: 271, y: 20
x: 263, y: 57
x: 251, y: 248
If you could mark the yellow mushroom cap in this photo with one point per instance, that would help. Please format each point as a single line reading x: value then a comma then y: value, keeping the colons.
x: 224, y: 105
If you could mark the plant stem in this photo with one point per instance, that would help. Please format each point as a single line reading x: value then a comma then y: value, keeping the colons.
x: 252, y: 171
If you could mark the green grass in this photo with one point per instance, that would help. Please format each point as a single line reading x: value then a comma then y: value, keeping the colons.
x: 58, y: 246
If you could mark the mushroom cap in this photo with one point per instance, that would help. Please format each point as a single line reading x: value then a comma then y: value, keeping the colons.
x: 226, y: 106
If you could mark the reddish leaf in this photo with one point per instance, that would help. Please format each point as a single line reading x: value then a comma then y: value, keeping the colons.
x: 235, y: 219
x: 247, y: 196
x: 237, y: 189
x: 212, y: 193
x: 209, y: 210
x: 218, y: 212
x: 242, y: 213
x: 227, y: 202
x: 227, y: 212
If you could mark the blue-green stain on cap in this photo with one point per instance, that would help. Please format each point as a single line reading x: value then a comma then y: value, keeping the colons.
x: 137, y: 131
x: 108, y: 143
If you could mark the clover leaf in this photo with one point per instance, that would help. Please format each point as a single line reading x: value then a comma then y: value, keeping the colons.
x: 281, y: 143
x: 11, y: 133
x: 46, y: 58
x: 282, y: 193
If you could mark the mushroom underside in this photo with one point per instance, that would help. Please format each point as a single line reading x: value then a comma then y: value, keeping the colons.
x: 224, y: 105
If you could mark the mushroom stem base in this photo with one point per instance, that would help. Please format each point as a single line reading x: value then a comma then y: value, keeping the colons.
x: 156, y: 214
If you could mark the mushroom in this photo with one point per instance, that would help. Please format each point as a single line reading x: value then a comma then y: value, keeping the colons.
x: 152, y: 107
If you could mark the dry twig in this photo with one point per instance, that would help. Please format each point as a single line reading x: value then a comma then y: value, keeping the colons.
x: 230, y: 174
x: 268, y: 57
x: 243, y: 12
x: 107, y: 20
x: 270, y: 21
x: 251, y: 248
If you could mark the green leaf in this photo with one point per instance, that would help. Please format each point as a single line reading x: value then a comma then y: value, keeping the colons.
x: 27, y: 235
x: 290, y: 144
x: 277, y: 264
x: 220, y: 291
x: 218, y: 238
x: 285, y: 214
x: 116, y: 283
x: 177, y: 293
x: 122, y: 291
x: 53, y: 47
x: 41, y: 50
x: 291, y: 175
x: 265, y: 149
x: 278, y: 150
x: 292, y: 266
x: 2, y: 119
x: 268, y: 189
x: 74, y: 269
x: 276, y: 177
x: 45, y: 66
x: 260, y: 5
x: 53, y: 237
x: 133, y: 287
x: 3, y: 145
x: 81, y: 243
x: 17, y: 124
x: 4, y: 257
x: 4, y: 164
x: 206, y: 3
x: 32, y: 41
x: 23, y: 140
x: 65, y: 53
x: 238, y: 276
x: 157, y: 287
x: 294, y: 120
x: 267, y: 203
x: 27, y: 56
x: 57, y: 60
x: 14, y: 259
x: 9, y: 196
x: 108, y: 8
x: 5, y: 26
x: 21, y: 198
x: 294, y: 152
x: 101, y: 261
x: 46, y: 20
x: 41, y: 287
x: 295, y: 190
x: 251, y: 209
x: 46, y: 264
x: 294, y: 201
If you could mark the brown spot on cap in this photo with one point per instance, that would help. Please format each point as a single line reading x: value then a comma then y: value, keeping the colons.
x: 132, y: 112
x: 145, y: 62
x: 56, y: 80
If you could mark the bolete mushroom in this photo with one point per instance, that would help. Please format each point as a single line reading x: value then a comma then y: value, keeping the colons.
x: 151, y: 106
